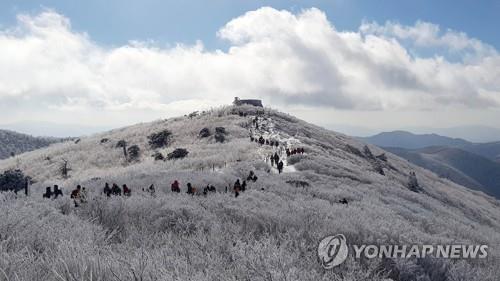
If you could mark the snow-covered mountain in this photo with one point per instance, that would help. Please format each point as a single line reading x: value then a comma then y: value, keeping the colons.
x: 269, y: 232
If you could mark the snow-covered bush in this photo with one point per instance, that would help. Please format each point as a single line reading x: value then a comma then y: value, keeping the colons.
x: 204, y: 133
x: 178, y: 153
x: 12, y: 180
x: 160, y: 139
x: 133, y: 152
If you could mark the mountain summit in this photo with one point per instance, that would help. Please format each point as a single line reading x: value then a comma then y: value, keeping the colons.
x: 270, y: 231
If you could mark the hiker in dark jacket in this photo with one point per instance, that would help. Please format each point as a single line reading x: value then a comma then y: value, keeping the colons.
x: 48, y: 192
x: 276, y: 158
x: 115, y: 190
x: 175, y: 186
x: 190, y: 188
x: 57, y: 191
x: 107, y: 190
x: 126, y: 191
x: 76, y: 195
x: 237, y: 186
x: 280, y: 167
x: 272, y: 160
x: 243, y: 186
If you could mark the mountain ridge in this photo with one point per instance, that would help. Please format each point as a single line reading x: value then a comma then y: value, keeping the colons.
x: 255, y: 227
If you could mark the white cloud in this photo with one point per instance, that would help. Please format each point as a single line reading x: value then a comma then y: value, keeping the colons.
x: 283, y: 58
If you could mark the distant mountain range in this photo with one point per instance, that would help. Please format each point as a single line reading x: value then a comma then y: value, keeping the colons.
x: 475, y: 165
x: 403, y: 139
x: 13, y: 143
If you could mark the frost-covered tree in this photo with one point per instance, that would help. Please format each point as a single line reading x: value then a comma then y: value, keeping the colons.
x: 12, y: 180
x: 204, y: 133
x: 64, y: 168
x: 178, y: 153
x: 133, y: 153
x: 122, y: 144
x: 413, y: 184
x: 160, y: 139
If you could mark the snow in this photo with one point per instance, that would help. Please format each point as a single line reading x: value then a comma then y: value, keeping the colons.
x: 268, y: 232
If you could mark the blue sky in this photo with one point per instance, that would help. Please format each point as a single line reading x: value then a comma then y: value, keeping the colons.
x: 374, y: 65
x: 115, y: 22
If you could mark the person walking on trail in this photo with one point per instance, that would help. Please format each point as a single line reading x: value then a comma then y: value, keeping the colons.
x: 280, y: 167
x: 107, y: 190
x: 276, y: 157
x: 115, y: 190
x: 48, y: 192
x: 237, y: 188
x: 126, y: 191
x: 261, y: 140
x: 76, y: 195
x: 243, y: 186
x: 57, y: 192
x: 272, y: 160
x: 175, y: 186
x: 190, y: 189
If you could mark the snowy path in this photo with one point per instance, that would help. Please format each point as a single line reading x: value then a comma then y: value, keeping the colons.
x: 266, y: 129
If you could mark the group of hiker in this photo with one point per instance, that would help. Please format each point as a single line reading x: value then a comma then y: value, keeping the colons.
x: 52, y: 194
x: 275, y: 159
x: 294, y: 151
x: 79, y: 194
x: 116, y: 190
x: 262, y: 141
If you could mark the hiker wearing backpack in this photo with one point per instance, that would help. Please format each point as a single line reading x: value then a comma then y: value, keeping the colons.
x: 280, y: 167
x: 76, y: 195
x: 57, y: 192
x: 107, y: 190
x: 48, y: 192
x: 175, y: 186
x: 126, y: 191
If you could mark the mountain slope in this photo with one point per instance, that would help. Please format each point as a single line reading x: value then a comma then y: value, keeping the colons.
x: 270, y: 231
x: 457, y: 165
x: 16, y: 143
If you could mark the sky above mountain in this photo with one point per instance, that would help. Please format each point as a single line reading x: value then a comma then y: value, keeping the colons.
x: 376, y: 65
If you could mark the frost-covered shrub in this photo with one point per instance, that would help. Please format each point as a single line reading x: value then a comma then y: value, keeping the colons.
x: 204, y: 133
x: 220, y: 138
x: 220, y: 130
x: 133, y: 153
x: 160, y: 139
x: 413, y: 184
x: 178, y: 153
x: 12, y: 180
x: 158, y: 156
x: 123, y: 145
